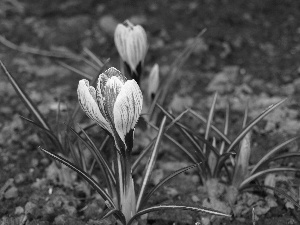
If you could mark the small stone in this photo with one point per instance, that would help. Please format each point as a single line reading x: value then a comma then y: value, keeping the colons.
x: 108, y: 24
x: 12, y: 192
x: 30, y: 207
x: 171, y: 191
x: 195, y: 198
x: 195, y: 179
x: 19, y: 210
x: 60, y: 219
x: 20, y: 178
x: 157, y: 176
x: 34, y: 162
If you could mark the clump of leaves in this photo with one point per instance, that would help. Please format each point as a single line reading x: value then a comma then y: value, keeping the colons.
x: 226, y: 170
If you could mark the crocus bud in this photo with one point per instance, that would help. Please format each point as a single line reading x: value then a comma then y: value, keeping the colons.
x: 131, y: 43
x: 153, y: 81
x: 242, y: 164
x: 115, y: 105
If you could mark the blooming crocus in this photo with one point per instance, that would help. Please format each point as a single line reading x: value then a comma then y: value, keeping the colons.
x: 131, y: 43
x: 115, y: 105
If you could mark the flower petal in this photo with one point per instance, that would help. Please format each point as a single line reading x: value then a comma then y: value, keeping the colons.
x: 136, y: 46
x: 153, y: 81
x: 127, y: 108
x: 101, y: 86
x: 87, y: 101
x: 112, y: 89
x: 131, y: 42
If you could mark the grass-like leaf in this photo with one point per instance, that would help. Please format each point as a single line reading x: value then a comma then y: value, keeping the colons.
x: 277, y: 191
x: 226, y: 127
x: 200, y: 117
x: 166, y: 179
x: 200, y: 155
x: 50, y: 134
x: 193, y: 159
x: 151, y: 162
x: 252, y: 124
x: 142, y: 155
x: 264, y: 172
x: 285, y: 155
x: 271, y: 153
x: 77, y: 71
x: 241, y: 135
x: 94, y: 57
x: 25, y: 99
x: 97, y: 154
x: 174, y: 207
x: 209, y: 120
x: 83, y: 174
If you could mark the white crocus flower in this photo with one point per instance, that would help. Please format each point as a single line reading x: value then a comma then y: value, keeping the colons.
x: 115, y: 105
x: 132, y: 45
x: 153, y: 82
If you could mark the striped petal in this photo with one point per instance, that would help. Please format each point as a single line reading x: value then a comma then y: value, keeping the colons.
x: 131, y: 42
x: 101, y: 86
x: 136, y: 46
x: 127, y: 108
x: 87, y: 101
x: 112, y: 89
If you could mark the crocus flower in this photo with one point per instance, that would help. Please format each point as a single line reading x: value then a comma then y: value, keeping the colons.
x: 131, y: 43
x: 153, y: 82
x: 115, y: 105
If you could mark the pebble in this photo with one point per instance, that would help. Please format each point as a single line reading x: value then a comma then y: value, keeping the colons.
x: 20, y: 178
x: 195, y: 179
x: 30, y: 207
x: 12, y: 192
x: 195, y: 198
x: 108, y: 24
x: 19, y: 210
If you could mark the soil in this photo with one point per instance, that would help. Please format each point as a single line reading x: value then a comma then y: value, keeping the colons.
x: 249, y: 54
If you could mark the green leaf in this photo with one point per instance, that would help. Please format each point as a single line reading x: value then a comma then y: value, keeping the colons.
x: 193, y: 159
x: 166, y: 179
x: 223, y: 136
x: 174, y: 207
x: 209, y: 121
x: 83, y: 174
x: 264, y: 172
x: 271, y: 153
x: 252, y: 124
x: 26, y: 100
x: 50, y: 134
x: 97, y: 154
x: 151, y: 162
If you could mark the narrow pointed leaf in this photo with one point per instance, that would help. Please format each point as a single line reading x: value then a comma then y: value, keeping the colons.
x: 118, y: 214
x: 271, y: 153
x: 26, y: 100
x: 226, y: 126
x: 223, y: 136
x: 166, y: 179
x: 73, y: 69
x: 93, y: 56
x: 173, y: 207
x: 50, y: 134
x: 252, y: 124
x: 264, y: 172
x: 83, y: 174
x: 151, y: 162
x: 209, y: 120
x: 194, y: 160
x: 97, y: 154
